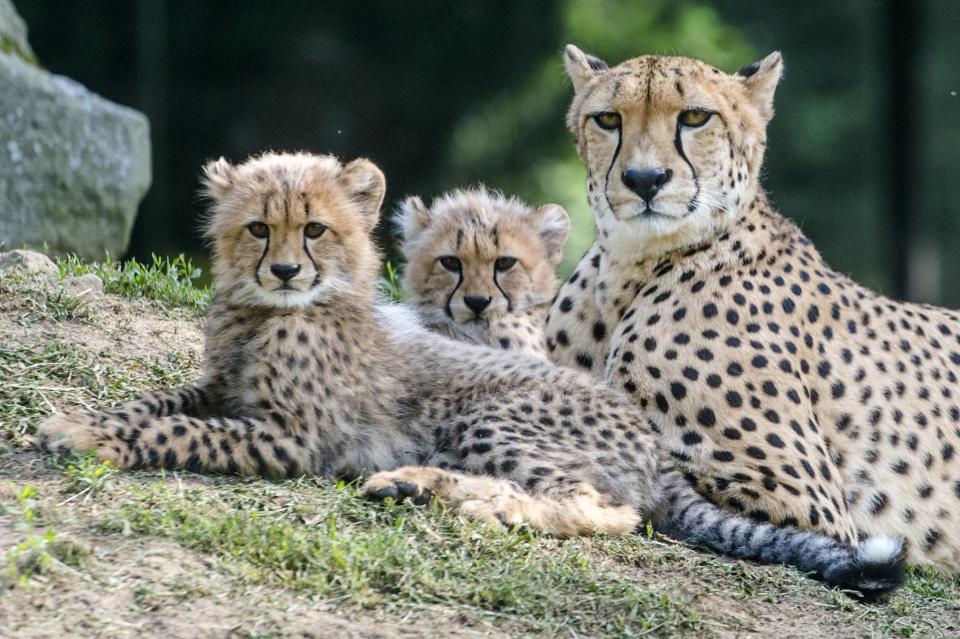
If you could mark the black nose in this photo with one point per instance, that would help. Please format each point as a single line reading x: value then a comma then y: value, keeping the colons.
x: 476, y: 303
x: 647, y: 182
x: 285, y: 271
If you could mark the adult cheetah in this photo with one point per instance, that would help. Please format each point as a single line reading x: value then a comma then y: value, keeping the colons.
x: 789, y: 392
x: 306, y: 373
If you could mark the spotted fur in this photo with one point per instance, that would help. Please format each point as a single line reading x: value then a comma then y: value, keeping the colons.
x: 787, y: 391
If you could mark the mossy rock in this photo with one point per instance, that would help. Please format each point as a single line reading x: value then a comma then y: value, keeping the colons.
x: 13, y: 34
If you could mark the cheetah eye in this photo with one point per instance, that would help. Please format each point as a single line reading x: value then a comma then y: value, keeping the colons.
x: 313, y: 230
x: 504, y: 264
x: 607, y: 120
x: 695, y: 117
x: 450, y: 263
x: 258, y: 229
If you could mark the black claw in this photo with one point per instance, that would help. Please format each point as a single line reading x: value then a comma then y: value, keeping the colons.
x: 423, y: 498
x: 406, y: 488
x: 383, y: 493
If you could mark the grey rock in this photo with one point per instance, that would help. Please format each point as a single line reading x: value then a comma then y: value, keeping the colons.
x: 83, y: 286
x: 73, y: 166
x: 13, y: 33
x: 29, y: 261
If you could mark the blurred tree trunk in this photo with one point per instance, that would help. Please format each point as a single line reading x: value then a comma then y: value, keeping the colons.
x: 902, y: 20
x: 151, y: 29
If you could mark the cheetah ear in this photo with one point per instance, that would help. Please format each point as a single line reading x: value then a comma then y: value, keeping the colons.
x: 412, y: 217
x: 366, y: 185
x: 760, y: 80
x: 553, y: 224
x: 582, y: 67
x: 219, y: 177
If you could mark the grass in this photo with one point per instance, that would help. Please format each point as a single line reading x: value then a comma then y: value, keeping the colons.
x: 313, y: 546
x: 34, y: 298
x: 326, y: 542
x: 38, y: 552
x: 39, y: 377
x: 10, y: 47
x: 390, y: 282
x: 170, y: 282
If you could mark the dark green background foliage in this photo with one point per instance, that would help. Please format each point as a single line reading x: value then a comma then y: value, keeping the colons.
x: 863, y: 150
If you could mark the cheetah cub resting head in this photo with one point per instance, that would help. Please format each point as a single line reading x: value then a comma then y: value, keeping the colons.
x: 480, y: 266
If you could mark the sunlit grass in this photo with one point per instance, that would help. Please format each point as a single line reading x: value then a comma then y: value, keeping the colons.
x: 390, y: 283
x: 323, y: 540
x: 172, y: 282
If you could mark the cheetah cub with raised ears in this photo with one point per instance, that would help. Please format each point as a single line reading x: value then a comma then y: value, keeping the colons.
x: 480, y: 266
x: 306, y: 374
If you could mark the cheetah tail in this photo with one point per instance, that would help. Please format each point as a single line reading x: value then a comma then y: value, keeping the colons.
x: 875, y: 567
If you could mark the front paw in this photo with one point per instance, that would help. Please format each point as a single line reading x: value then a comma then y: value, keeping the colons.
x: 506, y: 510
x: 398, y: 485
x: 79, y: 432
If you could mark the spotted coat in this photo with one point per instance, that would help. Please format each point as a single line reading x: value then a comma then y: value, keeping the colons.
x: 789, y: 392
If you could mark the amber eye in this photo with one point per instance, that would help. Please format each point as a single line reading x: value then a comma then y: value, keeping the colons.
x: 450, y: 263
x: 694, y: 117
x: 607, y: 120
x: 258, y: 229
x: 313, y: 230
x: 504, y: 264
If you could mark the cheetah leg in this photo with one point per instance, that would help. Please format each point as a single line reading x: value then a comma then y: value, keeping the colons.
x: 246, y: 446
x: 565, y: 511
x: 195, y: 400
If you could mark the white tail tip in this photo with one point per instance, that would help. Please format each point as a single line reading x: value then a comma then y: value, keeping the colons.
x: 880, y: 549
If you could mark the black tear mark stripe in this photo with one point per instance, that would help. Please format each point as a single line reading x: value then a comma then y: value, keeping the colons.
x: 316, y: 269
x: 613, y: 160
x: 503, y: 292
x: 256, y: 273
x: 616, y: 153
x: 446, y: 307
x: 677, y: 142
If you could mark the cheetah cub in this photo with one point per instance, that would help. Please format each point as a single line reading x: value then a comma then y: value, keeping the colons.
x: 305, y: 373
x: 480, y: 266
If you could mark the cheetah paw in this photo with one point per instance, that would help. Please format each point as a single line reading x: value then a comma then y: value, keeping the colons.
x: 64, y: 433
x: 503, y: 510
x: 396, y: 485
